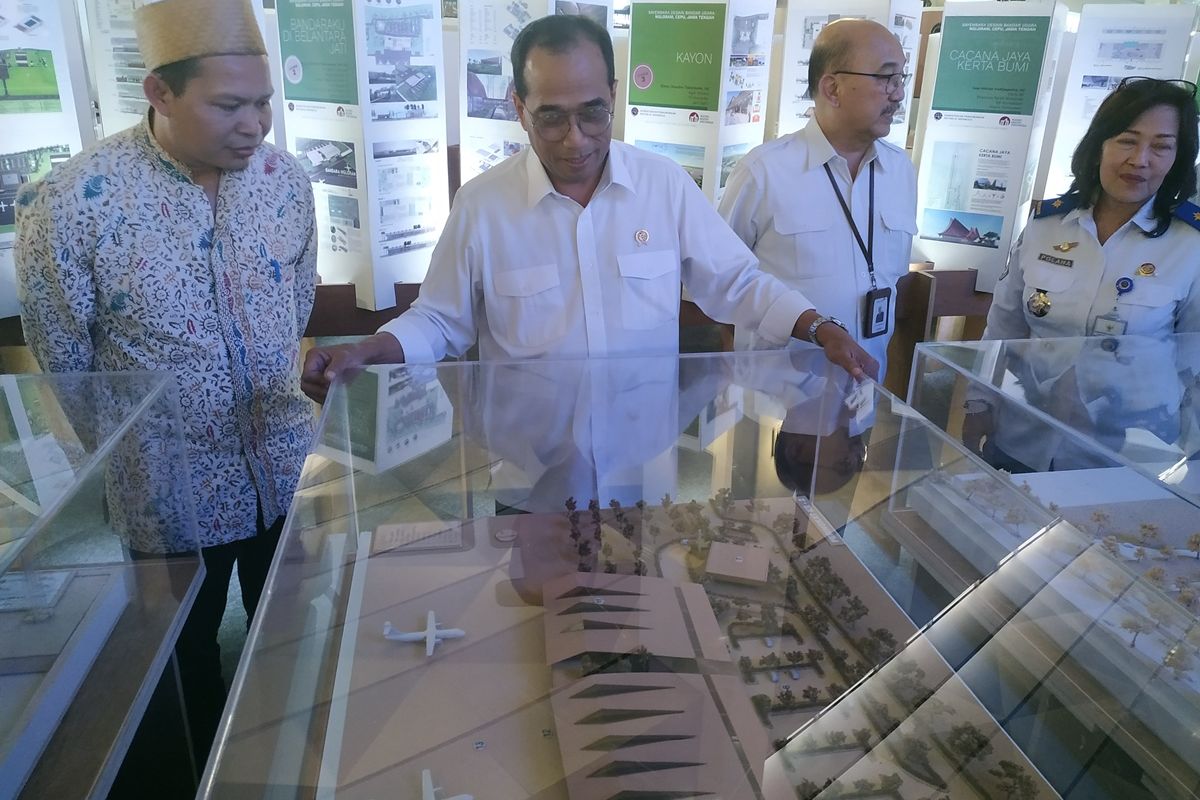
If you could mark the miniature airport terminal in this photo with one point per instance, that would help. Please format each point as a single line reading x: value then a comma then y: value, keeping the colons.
x: 923, y: 627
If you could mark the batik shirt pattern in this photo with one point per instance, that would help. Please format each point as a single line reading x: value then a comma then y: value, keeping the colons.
x: 122, y: 265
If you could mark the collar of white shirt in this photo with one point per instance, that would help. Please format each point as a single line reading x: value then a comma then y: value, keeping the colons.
x: 821, y: 152
x: 616, y: 170
x: 1144, y: 218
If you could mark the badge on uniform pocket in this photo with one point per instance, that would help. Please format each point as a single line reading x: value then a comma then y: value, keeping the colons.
x: 1038, y: 303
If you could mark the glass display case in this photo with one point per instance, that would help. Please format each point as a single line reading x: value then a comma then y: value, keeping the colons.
x: 619, y: 578
x: 1068, y: 404
x: 98, y: 563
x: 1101, y: 430
x: 1064, y: 674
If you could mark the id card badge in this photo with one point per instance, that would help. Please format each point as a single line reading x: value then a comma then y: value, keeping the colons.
x: 861, y: 401
x: 1108, y: 325
x: 876, y: 320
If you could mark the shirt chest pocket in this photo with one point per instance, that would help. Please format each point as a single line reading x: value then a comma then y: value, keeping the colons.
x: 808, y: 229
x: 529, y: 309
x: 1149, y: 308
x: 649, y: 289
x: 893, y: 250
x: 1055, y: 282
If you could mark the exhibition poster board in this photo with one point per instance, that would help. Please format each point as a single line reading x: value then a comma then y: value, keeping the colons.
x: 1113, y: 43
x: 116, y: 65
x: 40, y: 75
x: 365, y: 112
x: 697, y: 85
x: 489, y: 129
x: 805, y: 21
x: 984, y: 132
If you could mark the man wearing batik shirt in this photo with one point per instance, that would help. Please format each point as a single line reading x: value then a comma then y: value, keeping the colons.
x: 187, y: 244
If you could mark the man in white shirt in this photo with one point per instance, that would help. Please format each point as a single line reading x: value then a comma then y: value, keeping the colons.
x: 831, y: 208
x: 578, y: 245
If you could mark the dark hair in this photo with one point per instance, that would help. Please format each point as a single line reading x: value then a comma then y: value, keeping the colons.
x: 559, y: 33
x: 797, y: 457
x: 177, y: 74
x: 828, y: 55
x: 1118, y: 111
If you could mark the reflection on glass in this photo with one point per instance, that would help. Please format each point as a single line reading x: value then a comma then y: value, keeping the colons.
x: 661, y: 567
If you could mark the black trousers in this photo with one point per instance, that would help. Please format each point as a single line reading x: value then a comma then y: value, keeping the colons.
x: 197, y: 651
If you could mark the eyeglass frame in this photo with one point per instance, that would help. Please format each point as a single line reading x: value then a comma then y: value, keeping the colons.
x: 887, y: 77
x: 1178, y: 83
x: 570, y: 116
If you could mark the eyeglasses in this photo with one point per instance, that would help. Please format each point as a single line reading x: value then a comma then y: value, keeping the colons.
x: 1187, y: 86
x: 891, y: 80
x: 553, y: 126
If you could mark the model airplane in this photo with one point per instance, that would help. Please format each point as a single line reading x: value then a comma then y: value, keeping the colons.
x: 429, y: 791
x: 432, y: 634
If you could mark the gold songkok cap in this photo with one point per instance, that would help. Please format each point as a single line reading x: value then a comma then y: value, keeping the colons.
x: 174, y: 30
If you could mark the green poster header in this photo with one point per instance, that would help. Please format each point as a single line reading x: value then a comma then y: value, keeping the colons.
x: 990, y: 65
x: 316, y: 43
x: 675, y: 54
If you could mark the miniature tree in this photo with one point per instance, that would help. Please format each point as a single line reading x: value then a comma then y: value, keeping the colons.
x: 746, y: 666
x: 762, y: 704
x: 1014, y: 781
x: 968, y: 742
x: 639, y: 567
x: 1166, y: 551
x: 863, y: 737
x: 1111, y: 544
x: 774, y: 573
x: 791, y: 592
x: 742, y: 615
x: 606, y: 550
x: 769, y: 660
x: 811, y: 693
x: 794, y: 656
x: 853, y: 610
x: 610, y: 567
x: 770, y: 619
x: 815, y: 620
x: 641, y: 506
x: 1136, y: 626
x: 1100, y: 519
x: 1156, y: 576
x: 786, y: 697
x: 571, y: 505
x: 1193, y: 544
x: 834, y: 690
x: 584, y: 567
x: 806, y: 790
x: 863, y: 786
x: 1139, y: 553
x: 1148, y: 532
x: 788, y: 629
x: 1186, y: 597
x: 814, y: 656
x: 1179, y: 660
x: 890, y: 782
x: 585, y: 549
x: 836, y: 738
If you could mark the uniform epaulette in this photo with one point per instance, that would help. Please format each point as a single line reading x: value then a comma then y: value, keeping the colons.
x: 1053, y: 206
x: 1189, y: 213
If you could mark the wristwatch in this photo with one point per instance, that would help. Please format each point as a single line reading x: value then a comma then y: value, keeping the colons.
x: 818, y: 322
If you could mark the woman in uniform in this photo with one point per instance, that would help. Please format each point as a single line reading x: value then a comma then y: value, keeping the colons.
x: 1118, y: 253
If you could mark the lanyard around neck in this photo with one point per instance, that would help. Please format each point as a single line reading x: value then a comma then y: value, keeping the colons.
x: 868, y: 249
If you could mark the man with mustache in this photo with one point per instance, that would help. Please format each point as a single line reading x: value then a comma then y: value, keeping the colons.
x: 831, y: 209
